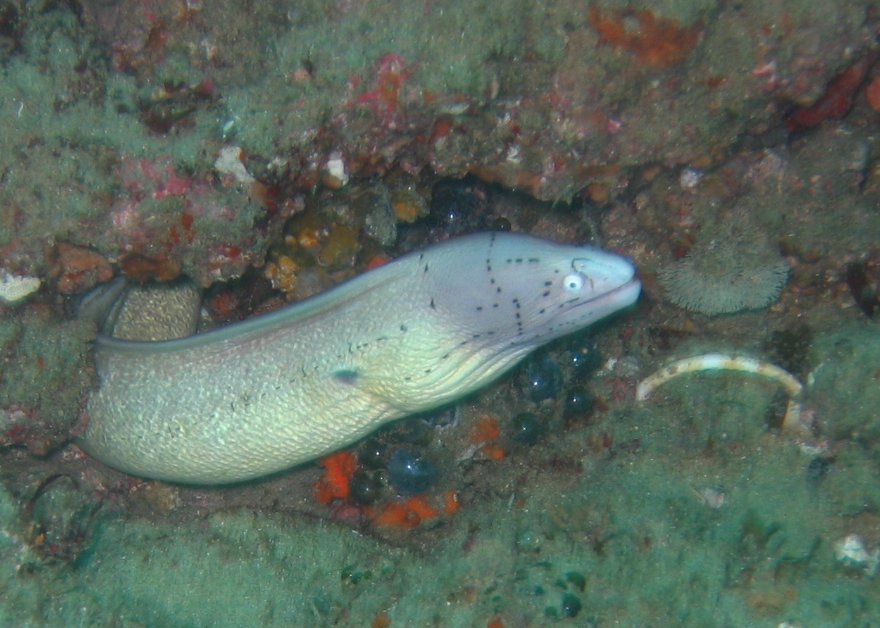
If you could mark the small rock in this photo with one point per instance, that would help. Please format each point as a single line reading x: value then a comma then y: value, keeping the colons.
x: 852, y: 551
x: 16, y: 287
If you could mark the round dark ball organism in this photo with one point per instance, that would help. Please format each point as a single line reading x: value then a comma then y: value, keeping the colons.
x: 499, y: 223
x: 571, y: 605
x: 542, y: 378
x: 411, y: 473
x: 583, y: 357
x: 372, y: 454
x: 366, y: 487
x: 459, y: 206
x: 578, y: 403
x: 819, y: 468
x: 527, y: 428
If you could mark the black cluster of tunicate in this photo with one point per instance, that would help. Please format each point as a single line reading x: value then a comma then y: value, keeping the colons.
x: 583, y: 357
x: 404, y: 469
x: 541, y: 378
x: 555, y: 380
x: 818, y: 468
x: 369, y: 482
x: 459, y: 205
x: 366, y: 487
x: 578, y: 403
x: 570, y: 603
x: 373, y: 454
x: 411, y: 473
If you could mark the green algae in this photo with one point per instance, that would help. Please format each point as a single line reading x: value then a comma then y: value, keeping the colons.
x: 849, y: 360
x: 44, y: 375
x: 62, y: 130
x: 637, y: 521
x: 640, y: 537
x: 445, y: 55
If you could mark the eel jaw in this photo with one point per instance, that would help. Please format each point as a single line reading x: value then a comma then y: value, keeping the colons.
x: 617, y: 299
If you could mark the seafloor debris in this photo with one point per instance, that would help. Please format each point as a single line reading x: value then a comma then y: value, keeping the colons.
x: 725, y: 362
x: 16, y: 287
x: 852, y: 551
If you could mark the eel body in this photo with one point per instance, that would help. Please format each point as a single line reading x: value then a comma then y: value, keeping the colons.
x: 272, y: 392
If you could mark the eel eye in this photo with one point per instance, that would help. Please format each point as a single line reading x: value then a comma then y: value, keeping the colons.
x: 574, y: 282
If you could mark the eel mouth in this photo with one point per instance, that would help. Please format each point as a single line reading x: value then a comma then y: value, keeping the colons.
x: 618, y: 298
x: 610, y: 302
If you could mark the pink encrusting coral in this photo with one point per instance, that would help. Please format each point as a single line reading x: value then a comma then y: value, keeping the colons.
x: 162, y: 212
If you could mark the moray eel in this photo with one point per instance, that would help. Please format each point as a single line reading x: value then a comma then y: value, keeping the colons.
x: 275, y: 391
